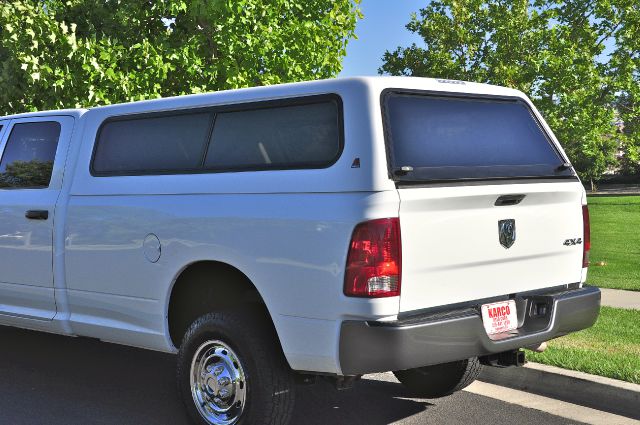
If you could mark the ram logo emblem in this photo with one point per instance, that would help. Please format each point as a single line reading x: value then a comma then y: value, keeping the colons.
x: 507, y: 232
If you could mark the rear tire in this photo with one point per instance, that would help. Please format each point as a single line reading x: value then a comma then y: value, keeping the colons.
x: 440, y: 380
x: 231, y: 371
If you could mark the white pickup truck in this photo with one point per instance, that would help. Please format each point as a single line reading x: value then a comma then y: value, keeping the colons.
x: 270, y: 235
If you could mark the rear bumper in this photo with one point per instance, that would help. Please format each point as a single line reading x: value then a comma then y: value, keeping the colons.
x: 456, y: 334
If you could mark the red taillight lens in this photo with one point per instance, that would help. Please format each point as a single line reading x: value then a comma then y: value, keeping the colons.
x: 586, y: 244
x: 374, y: 260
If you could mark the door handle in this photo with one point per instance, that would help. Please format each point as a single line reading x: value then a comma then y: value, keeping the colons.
x: 509, y: 200
x: 37, y: 214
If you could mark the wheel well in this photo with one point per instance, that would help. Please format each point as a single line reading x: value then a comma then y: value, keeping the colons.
x: 209, y: 286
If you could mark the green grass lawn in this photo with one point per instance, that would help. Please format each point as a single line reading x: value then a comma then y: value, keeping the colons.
x: 610, y: 348
x: 615, y: 242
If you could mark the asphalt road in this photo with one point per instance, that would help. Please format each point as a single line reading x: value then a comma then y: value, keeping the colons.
x: 54, y: 380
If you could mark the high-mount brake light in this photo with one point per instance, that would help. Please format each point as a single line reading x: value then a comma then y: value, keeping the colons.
x: 374, y: 266
x: 586, y: 245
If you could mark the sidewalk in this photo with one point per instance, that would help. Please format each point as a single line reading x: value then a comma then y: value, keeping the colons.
x: 614, y: 190
x: 620, y: 299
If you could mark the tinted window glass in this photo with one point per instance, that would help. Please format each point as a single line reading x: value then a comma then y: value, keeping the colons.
x: 279, y: 137
x: 28, y: 157
x: 452, y: 138
x: 160, y: 143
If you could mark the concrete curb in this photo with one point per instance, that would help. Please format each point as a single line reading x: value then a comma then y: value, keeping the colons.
x: 609, y: 395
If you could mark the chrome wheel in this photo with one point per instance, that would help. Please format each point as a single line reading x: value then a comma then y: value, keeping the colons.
x: 218, y: 383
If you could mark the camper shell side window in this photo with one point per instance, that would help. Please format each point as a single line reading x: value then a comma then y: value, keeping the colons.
x: 298, y: 133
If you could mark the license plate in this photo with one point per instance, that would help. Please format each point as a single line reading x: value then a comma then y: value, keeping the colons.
x: 499, y: 317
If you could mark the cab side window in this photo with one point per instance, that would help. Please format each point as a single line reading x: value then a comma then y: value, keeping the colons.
x: 28, y: 157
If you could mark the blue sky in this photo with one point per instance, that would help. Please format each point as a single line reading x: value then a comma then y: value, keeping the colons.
x: 381, y: 29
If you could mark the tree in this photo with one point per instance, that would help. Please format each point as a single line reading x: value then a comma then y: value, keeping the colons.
x: 628, y: 106
x: 625, y: 67
x: 73, y: 53
x: 553, y: 50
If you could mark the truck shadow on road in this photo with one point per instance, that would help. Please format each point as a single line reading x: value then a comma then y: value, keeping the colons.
x: 55, y: 380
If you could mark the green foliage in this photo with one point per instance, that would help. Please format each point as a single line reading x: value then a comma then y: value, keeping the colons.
x: 628, y: 106
x: 27, y: 174
x: 73, y: 53
x: 554, y: 51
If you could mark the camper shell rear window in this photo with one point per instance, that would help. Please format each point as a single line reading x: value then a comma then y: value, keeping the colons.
x: 435, y: 137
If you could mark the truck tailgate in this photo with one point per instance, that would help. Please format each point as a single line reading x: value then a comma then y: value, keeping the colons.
x: 451, y: 247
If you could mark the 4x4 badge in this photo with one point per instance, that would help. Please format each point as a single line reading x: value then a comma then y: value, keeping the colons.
x: 507, y: 232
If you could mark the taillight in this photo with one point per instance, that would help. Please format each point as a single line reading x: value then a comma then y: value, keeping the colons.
x: 586, y: 244
x: 374, y: 260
